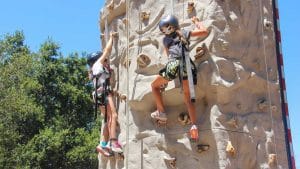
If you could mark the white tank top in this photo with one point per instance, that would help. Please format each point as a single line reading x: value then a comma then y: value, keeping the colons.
x: 101, y: 72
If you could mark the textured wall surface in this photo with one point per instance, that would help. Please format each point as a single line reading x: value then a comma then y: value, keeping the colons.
x: 237, y: 95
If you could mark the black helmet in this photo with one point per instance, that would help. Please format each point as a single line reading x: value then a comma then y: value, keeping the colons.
x: 93, y: 57
x: 169, y: 20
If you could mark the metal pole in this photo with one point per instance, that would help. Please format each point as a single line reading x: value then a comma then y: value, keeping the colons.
x: 284, y: 105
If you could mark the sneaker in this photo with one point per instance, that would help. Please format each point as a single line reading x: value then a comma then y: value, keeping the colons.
x: 194, y: 132
x: 159, y: 116
x: 116, y: 147
x: 103, y: 151
x: 104, y: 145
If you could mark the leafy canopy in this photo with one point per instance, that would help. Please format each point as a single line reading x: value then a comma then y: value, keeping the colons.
x: 46, y: 115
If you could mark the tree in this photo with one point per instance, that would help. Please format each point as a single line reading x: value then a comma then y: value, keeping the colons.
x: 46, y: 114
x: 20, y: 116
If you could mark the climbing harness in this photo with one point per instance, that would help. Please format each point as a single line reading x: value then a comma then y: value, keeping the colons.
x: 185, y: 54
x: 101, y: 98
x: 96, y: 99
x: 187, y: 62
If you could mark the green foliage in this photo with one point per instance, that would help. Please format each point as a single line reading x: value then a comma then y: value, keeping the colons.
x: 60, y: 149
x: 12, y: 45
x: 46, y: 115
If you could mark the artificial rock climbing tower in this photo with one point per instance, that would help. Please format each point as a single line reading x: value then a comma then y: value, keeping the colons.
x: 239, y: 96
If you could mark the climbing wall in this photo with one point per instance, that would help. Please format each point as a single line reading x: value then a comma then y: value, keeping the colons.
x: 239, y: 112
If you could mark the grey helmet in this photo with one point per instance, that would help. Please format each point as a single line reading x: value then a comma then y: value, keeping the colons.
x: 169, y: 20
x: 93, y: 57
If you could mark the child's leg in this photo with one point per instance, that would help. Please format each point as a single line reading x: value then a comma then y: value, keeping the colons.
x: 191, y: 109
x: 113, y: 125
x: 156, y: 85
x: 111, y: 110
x: 187, y: 101
x: 102, y: 147
x: 105, y: 134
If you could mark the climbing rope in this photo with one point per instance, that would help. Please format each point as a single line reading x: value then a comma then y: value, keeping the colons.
x: 106, y: 31
x: 127, y: 88
x: 183, y: 10
x: 140, y: 28
x: 267, y: 75
x: 108, y: 60
x: 172, y: 7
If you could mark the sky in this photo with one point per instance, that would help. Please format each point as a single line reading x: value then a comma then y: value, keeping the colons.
x: 74, y: 25
x: 289, y: 25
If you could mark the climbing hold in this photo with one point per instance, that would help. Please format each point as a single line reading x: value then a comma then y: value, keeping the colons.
x: 184, y: 118
x: 233, y: 122
x: 194, y: 133
x: 102, y: 36
x: 262, y: 104
x: 115, y: 34
x: 233, y: 16
x: 145, y: 15
x: 170, y: 162
x: 111, y: 5
x: 267, y: 23
x: 126, y: 63
x: 123, y: 97
x: 230, y: 149
x: 125, y: 21
x: 143, y: 60
x: 191, y: 7
x: 202, y: 147
x: 272, y: 160
x: 239, y: 105
x: 159, y: 123
x: 274, y: 108
x: 224, y: 44
x: 119, y: 95
x: 200, y: 51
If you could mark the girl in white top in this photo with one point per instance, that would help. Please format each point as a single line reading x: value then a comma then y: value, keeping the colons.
x: 100, y: 70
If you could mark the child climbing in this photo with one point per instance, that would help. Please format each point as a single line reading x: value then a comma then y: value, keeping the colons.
x: 175, y: 41
x: 100, y: 74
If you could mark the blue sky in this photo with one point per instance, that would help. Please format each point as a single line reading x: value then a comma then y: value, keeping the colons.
x: 74, y: 25
x: 290, y: 24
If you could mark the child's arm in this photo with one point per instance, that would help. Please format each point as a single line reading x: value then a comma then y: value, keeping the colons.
x: 107, y: 49
x: 166, y: 50
x: 199, y: 32
x: 183, y: 39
